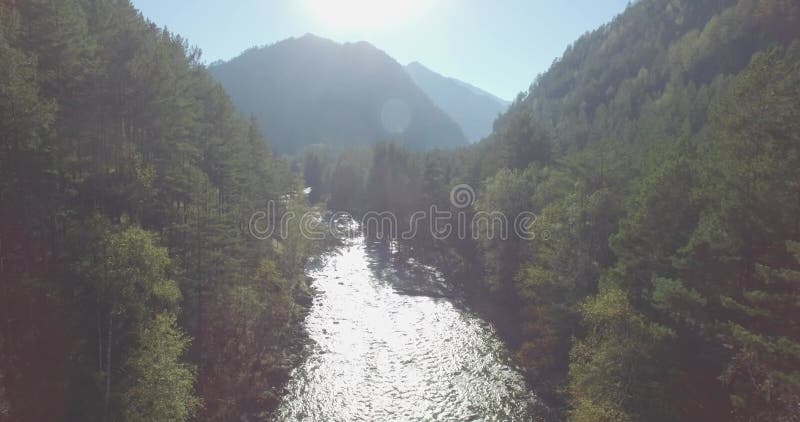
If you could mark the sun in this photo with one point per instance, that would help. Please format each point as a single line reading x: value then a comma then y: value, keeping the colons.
x: 357, y: 14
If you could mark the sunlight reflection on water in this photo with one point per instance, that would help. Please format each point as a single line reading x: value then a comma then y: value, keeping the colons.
x: 380, y: 355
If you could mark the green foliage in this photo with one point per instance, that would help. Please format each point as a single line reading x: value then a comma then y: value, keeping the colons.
x: 506, y: 194
x: 128, y: 275
x: 126, y: 272
x: 739, y: 256
x: 126, y: 185
x: 615, y: 371
x: 161, y: 387
x: 256, y: 322
x: 580, y: 207
x: 313, y: 172
x: 649, y: 225
x: 348, y: 180
x: 521, y: 141
x: 763, y: 373
x: 660, y: 155
x: 673, y: 295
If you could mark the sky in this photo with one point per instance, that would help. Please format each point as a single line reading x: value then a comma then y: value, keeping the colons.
x: 499, y: 46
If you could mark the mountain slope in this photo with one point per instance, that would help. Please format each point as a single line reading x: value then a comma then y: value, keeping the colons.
x: 311, y: 90
x: 471, y: 107
x: 620, y: 80
x: 661, y: 156
x: 657, y: 149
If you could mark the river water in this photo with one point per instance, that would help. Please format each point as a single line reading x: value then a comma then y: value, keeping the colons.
x: 380, y: 355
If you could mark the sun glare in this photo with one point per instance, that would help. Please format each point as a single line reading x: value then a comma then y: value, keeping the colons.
x: 354, y: 14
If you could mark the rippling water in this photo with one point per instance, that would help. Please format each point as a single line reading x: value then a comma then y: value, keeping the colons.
x: 380, y: 355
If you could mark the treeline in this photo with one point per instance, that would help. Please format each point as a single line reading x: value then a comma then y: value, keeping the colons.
x: 661, y: 155
x: 130, y: 288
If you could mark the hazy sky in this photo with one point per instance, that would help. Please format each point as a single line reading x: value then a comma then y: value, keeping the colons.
x: 499, y: 45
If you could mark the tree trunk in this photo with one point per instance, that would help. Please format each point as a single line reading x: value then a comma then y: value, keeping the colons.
x: 797, y: 217
x: 99, y: 340
x: 107, y: 404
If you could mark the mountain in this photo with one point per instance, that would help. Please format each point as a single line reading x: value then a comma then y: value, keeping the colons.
x: 311, y: 90
x: 625, y: 80
x: 661, y: 153
x: 660, y: 277
x: 472, y: 108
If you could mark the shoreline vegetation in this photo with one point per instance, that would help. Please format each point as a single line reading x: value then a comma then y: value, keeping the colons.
x: 131, y: 288
x: 660, y: 155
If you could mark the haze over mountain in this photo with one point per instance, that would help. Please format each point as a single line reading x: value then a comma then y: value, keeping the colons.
x: 471, y: 107
x: 624, y: 245
x: 311, y: 90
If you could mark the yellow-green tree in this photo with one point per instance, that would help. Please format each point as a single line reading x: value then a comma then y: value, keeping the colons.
x: 159, y: 386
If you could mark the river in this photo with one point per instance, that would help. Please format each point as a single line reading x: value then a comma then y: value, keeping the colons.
x: 381, y: 355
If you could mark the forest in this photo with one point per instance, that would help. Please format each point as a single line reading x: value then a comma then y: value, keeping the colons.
x: 131, y: 288
x: 660, y: 154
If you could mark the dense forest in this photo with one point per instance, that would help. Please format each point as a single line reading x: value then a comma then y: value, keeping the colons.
x: 661, y: 155
x: 130, y: 288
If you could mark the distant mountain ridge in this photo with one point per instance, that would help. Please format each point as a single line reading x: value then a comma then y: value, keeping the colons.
x: 471, y: 107
x: 311, y: 90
